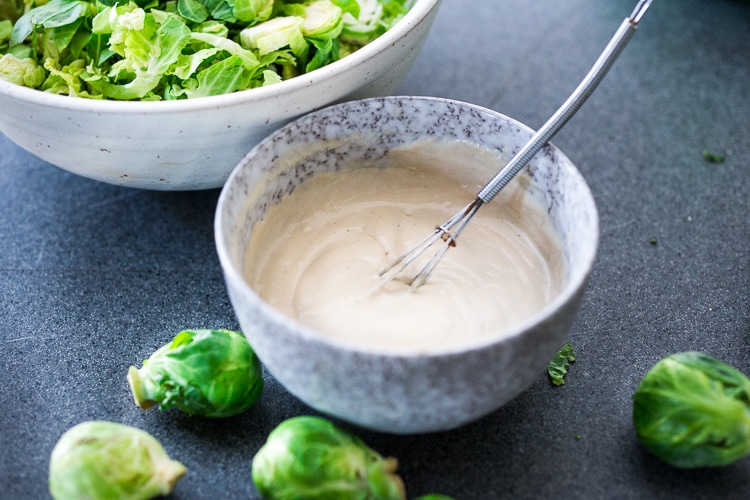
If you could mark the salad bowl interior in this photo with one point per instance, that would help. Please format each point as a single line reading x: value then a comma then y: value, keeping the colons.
x: 194, y: 143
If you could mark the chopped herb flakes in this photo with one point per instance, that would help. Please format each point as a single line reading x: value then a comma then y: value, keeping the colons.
x: 713, y: 157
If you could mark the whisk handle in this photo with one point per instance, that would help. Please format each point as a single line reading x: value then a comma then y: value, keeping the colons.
x: 569, y: 107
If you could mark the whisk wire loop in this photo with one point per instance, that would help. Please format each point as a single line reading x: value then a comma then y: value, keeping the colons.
x: 441, y: 232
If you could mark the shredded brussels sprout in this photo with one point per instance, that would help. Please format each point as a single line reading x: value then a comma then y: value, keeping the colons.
x: 176, y: 49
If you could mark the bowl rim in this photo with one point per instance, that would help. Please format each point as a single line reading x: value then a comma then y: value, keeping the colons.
x: 414, y: 16
x: 576, y: 283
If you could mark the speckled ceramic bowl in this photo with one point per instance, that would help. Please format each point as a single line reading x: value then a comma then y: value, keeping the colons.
x: 195, y: 143
x: 404, y: 392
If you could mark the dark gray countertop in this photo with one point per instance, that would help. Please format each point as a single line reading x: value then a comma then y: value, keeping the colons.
x: 96, y: 277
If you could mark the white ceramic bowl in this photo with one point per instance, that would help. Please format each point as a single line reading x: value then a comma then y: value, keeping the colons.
x: 195, y: 144
x: 404, y: 392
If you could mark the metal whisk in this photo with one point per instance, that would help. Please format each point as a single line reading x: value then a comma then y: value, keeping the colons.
x: 504, y: 176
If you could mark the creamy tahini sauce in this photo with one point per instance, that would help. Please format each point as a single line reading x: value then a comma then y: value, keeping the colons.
x: 316, y: 255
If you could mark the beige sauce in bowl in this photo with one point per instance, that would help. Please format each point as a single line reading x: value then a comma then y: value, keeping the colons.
x: 316, y: 255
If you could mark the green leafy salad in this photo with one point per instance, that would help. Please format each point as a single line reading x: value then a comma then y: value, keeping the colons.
x: 177, y: 49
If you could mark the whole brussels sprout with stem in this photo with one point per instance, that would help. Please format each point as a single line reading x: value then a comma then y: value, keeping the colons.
x: 211, y: 373
x: 100, y: 460
x: 310, y: 458
x: 692, y: 410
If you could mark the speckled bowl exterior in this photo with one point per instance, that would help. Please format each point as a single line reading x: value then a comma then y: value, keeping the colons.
x: 409, y: 392
x: 195, y: 143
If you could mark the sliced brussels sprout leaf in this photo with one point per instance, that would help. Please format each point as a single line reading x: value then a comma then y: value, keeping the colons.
x: 276, y: 34
x: 252, y: 11
x: 20, y: 71
x: 322, y: 19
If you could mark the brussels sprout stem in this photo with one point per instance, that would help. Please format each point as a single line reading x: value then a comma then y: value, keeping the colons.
x: 386, y: 482
x: 136, y: 388
x: 169, y: 472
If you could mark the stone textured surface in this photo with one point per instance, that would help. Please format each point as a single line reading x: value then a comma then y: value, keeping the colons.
x: 95, y: 277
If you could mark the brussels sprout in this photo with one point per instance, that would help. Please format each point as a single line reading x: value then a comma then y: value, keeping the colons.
x: 100, y: 460
x: 309, y: 458
x: 211, y: 373
x: 692, y: 410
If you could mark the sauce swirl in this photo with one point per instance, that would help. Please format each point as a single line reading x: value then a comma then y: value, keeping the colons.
x: 315, y: 256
